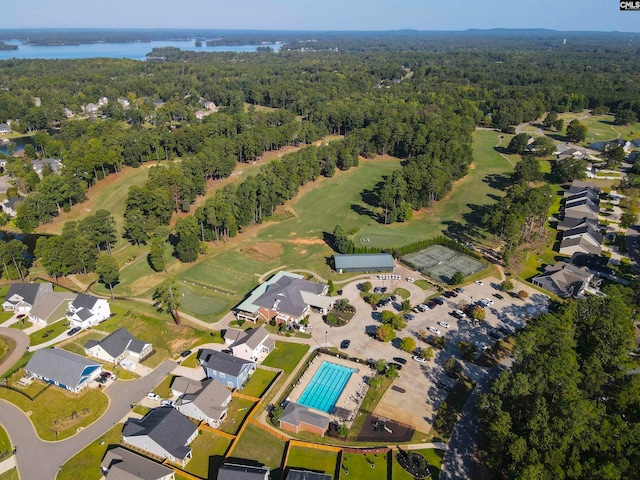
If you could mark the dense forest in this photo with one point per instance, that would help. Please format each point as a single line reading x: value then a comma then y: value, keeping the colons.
x: 569, y: 407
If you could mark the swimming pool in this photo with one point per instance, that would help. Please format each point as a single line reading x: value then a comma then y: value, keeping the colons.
x: 325, y: 387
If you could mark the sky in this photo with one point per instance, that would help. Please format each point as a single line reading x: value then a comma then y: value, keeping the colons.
x: 583, y: 15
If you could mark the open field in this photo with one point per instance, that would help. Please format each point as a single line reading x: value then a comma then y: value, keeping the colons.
x: 601, y: 127
x: 57, y: 410
x: 86, y: 463
x: 317, y: 460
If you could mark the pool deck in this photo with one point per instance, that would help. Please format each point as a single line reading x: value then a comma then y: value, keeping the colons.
x: 353, y: 393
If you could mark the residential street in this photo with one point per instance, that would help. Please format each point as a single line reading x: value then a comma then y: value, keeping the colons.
x: 52, y: 455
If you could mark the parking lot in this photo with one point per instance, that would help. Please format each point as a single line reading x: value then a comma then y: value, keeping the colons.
x: 416, y: 396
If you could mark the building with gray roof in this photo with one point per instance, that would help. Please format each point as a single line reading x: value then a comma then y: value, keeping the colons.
x: 250, y: 344
x: 38, y: 300
x: 117, y: 346
x: 10, y: 205
x: 63, y: 369
x: 163, y: 432
x: 296, y: 418
x: 234, y: 471
x: 287, y: 297
x: 209, y: 404
x: 122, y: 464
x: 227, y: 369
x: 88, y: 311
x: 21, y: 297
x: 564, y: 279
x: 367, y: 263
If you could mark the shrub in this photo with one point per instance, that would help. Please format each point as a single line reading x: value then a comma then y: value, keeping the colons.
x: 408, y: 344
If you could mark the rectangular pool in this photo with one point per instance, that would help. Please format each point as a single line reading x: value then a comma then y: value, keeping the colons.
x: 326, y: 386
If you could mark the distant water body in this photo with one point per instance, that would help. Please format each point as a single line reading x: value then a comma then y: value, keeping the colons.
x: 134, y: 51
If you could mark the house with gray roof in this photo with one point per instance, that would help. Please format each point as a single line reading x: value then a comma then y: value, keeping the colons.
x: 296, y: 418
x: 117, y: 346
x: 366, y: 263
x: 581, y: 239
x: 122, y: 464
x: 87, y: 311
x: 570, y: 223
x: 4, y: 128
x: 163, y: 432
x: 50, y: 307
x: 10, y: 205
x: 234, y: 471
x: 250, y: 344
x: 63, y: 369
x: 209, y: 404
x: 38, y: 300
x: 227, y: 369
x: 564, y: 279
x: 286, y: 297
x: 298, y: 474
x: 53, y: 163
x: 21, y: 297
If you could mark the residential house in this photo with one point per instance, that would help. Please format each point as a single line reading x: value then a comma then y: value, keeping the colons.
x: 91, y: 108
x: 227, y: 369
x: 564, y: 279
x: 249, y: 344
x: 212, y: 107
x: 163, y: 432
x: 286, y: 297
x: 10, y: 205
x: 21, y: 297
x: 103, y: 102
x: 581, y: 239
x: 298, y: 418
x: 38, y: 300
x: 570, y: 223
x: 50, y: 307
x: 581, y: 208
x: 298, y: 474
x: 117, y: 346
x: 63, y: 369
x: 67, y: 112
x: 234, y: 471
x: 38, y: 165
x: 571, y: 152
x: 4, y: 128
x: 182, y: 385
x: 200, y: 114
x: 208, y: 405
x: 122, y: 464
x: 37, y: 101
x: 158, y: 103
x: 87, y: 311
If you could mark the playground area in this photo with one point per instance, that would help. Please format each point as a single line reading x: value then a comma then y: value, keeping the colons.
x: 441, y: 263
x: 380, y: 429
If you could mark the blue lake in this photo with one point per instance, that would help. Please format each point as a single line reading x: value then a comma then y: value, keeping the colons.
x: 135, y: 50
x: 20, y: 143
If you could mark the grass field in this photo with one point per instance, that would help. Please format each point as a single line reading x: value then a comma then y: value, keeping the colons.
x: 86, y: 464
x: 317, y: 460
x: 286, y: 356
x: 56, y: 410
x: 260, y: 447
x: 5, y: 443
x: 208, y: 454
x: 359, y: 466
x: 258, y: 382
x: 238, y: 410
x: 10, y: 475
x: 601, y: 127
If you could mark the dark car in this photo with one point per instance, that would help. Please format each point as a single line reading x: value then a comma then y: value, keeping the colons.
x: 186, y: 353
x: 397, y: 365
x: 408, y: 317
x: 495, y: 334
x: 443, y: 386
x: 105, y: 374
x: 73, y: 331
x: 453, y: 374
x: 101, y: 380
x: 453, y: 294
x: 459, y: 289
x: 498, y: 296
x: 439, y: 300
x: 431, y: 304
x: 401, y: 360
x: 447, y: 294
x: 345, y: 344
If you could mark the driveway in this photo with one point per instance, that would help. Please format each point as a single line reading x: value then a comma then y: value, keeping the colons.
x: 52, y: 455
x: 22, y: 342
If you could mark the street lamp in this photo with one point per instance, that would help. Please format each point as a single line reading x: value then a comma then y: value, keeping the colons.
x: 326, y: 341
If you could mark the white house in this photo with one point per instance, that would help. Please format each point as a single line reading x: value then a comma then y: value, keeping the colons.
x: 117, y: 346
x: 208, y: 404
x: 249, y: 344
x: 4, y: 128
x: 87, y: 311
x: 10, y: 205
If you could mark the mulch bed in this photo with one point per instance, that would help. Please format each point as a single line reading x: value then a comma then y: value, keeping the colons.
x: 370, y: 433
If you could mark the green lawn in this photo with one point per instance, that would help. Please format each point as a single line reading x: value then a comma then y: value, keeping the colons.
x: 312, y: 459
x: 259, y: 446
x: 4, y: 316
x: 434, y: 457
x: 5, y: 444
x: 258, y: 382
x: 49, y: 332
x: 86, y: 464
x: 164, y: 387
x: 286, y: 356
x: 56, y: 410
x: 359, y: 466
x: 237, y: 411
x: 77, y: 346
x: 6, y: 347
x: 10, y: 475
x: 208, y: 454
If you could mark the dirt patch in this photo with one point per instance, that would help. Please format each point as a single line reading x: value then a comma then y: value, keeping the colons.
x: 472, y: 166
x: 374, y: 430
x: 179, y: 344
x: 263, y: 251
x: 307, y: 241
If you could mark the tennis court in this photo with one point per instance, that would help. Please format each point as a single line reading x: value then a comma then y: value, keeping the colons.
x: 441, y: 263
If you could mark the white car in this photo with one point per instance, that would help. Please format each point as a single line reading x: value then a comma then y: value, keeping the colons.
x: 478, y: 282
x: 166, y: 403
x: 153, y: 396
x: 434, y: 330
x: 443, y: 324
x: 481, y: 345
x: 419, y: 359
x: 487, y: 301
x: 459, y: 314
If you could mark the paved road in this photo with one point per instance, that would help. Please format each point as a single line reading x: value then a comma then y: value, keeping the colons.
x: 22, y: 342
x: 459, y: 458
x: 49, y: 456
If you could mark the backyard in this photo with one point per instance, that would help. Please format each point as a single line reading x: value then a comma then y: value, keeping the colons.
x: 262, y: 447
x: 313, y: 459
x: 208, y: 454
x: 238, y: 410
x: 286, y: 356
x: 258, y: 383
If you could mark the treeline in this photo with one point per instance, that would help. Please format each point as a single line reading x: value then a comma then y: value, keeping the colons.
x: 569, y: 406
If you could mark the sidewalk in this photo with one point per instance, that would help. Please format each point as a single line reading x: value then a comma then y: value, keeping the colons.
x: 8, y: 464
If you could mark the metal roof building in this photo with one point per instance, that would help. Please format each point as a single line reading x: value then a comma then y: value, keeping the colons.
x: 370, y: 262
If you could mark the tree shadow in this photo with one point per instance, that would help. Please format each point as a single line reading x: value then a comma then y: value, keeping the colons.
x: 502, y: 150
x: 497, y: 181
x: 360, y: 210
x: 372, y: 197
